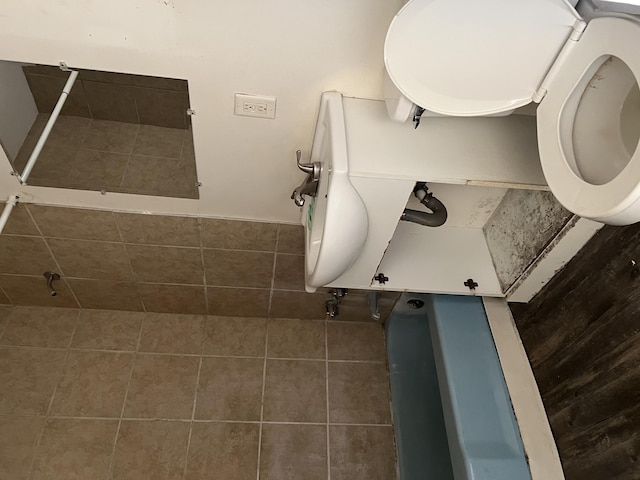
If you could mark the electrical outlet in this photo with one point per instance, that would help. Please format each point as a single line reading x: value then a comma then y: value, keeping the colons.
x: 255, y: 106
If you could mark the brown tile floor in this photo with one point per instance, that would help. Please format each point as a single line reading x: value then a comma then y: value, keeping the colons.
x: 88, y: 394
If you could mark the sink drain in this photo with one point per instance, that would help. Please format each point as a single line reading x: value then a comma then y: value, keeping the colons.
x: 415, y: 303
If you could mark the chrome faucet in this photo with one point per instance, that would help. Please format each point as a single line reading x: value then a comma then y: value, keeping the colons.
x: 310, y: 184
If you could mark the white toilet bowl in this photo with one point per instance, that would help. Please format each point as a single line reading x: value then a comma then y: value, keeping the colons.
x: 461, y: 58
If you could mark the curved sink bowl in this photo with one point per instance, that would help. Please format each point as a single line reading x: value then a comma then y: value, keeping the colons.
x: 335, y: 220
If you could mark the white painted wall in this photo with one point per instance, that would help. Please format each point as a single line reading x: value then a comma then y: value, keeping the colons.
x: 289, y: 49
x: 17, y: 107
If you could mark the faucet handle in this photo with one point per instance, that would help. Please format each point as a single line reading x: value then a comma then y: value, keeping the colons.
x: 312, y: 169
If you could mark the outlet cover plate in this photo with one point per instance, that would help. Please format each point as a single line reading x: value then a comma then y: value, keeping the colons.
x: 255, y: 105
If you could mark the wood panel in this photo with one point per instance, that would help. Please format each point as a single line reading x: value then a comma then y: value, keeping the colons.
x: 582, y: 335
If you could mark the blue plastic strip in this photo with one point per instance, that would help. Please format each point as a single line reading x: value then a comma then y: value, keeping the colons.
x: 484, y: 439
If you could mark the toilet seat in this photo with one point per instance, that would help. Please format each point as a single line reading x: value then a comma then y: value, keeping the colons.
x: 519, y: 51
x: 614, y: 200
x: 465, y: 58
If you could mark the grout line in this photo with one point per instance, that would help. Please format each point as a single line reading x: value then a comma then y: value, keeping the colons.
x: 264, y: 384
x: 188, y: 420
x: 142, y: 243
x: 11, y: 302
x: 135, y: 105
x: 53, y: 395
x: 195, y: 399
x: 129, y: 155
x: 326, y: 356
x: 273, y: 271
x: 84, y: 93
x: 204, y: 268
x: 133, y: 273
x: 183, y: 354
x: 124, y: 400
x: 6, y: 323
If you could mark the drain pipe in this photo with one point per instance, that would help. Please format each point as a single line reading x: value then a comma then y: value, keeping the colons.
x: 8, y: 207
x: 33, y: 158
x: 439, y: 212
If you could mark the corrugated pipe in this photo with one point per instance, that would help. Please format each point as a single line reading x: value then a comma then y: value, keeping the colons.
x: 435, y: 218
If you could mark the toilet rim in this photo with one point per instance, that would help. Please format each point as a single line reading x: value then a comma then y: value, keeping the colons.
x: 603, y: 37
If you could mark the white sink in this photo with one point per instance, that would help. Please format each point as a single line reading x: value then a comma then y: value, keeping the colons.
x: 335, y: 220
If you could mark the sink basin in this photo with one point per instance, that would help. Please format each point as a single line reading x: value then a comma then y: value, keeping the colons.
x: 335, y: 220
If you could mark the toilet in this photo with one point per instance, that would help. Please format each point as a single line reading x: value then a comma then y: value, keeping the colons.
x: 462, y: 58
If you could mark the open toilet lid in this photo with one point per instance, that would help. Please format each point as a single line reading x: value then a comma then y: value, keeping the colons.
x: 475, y: 58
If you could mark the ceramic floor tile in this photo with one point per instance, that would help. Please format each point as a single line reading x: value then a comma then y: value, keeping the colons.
x: 159, y: 176
x: 289, y: 272
x: 76, y: 223
x: 110, y: 136
x: 359, y: 393
x: 20, y: 222
x: 91, y: 259
x: 355, y: 341
x: 289, y: 304
x: 14, y: 247
x: 93, y: 384
x: 106, y: 294
x: 159, y: 141
x: 93, y: 170
x: 75, y: 449
x: 230, y: 389
x: 69, y: 130
x: 32, y: 291
x: 159, y: 229
x: 162, y: 386
x: 172, y: 333
x: 291, y: 338
x: 362, y: 453
x: 154, y: 450
x: 235, y: 336
x: 223, y: 450
x: 107, y: 330
x: 110, y: 101
x: 162, y: 107
x: 238, y: 302
x: 4, y: 302
x: 220, y: 233
x: 292, y: 452
x: 166, y: 264
x: 236, y: 268
x: 18, y: 437
x: 291, y: 239
x: 295, y: 391
x: 54, y: 163
x: 40, y: 327
x: 27, y: 379
x: 173, y: 298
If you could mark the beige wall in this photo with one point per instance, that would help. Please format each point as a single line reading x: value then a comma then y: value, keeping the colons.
x: 289, y: 49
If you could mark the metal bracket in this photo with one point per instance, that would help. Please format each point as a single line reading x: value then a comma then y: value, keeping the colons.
x: 191, y: 112
x: 417, y: 116
x: 471, y: 284
x: 64, y: 67
x: 381, y: 279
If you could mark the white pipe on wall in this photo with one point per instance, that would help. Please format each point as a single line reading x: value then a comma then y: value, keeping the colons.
x: 8, y: 207
x: 48, y: 127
